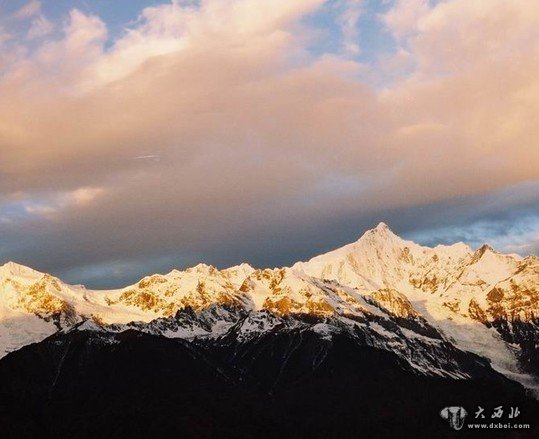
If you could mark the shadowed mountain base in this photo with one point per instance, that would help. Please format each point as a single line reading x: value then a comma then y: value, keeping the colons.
x: 134, y: 385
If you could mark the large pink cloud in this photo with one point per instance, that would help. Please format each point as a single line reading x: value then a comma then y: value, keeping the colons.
x: 219, y: 118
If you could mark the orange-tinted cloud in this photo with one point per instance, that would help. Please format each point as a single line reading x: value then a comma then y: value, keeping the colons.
x: 243, y: 124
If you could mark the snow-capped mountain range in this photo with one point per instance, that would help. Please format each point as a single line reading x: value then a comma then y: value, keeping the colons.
x: 430, y: 306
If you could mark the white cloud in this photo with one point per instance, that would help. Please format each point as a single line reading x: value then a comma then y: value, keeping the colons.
x: 402, y: 19
x: 349, y: 20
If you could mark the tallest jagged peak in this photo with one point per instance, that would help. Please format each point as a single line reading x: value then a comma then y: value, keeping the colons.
x: 382, y: 229
x: 379, y: 235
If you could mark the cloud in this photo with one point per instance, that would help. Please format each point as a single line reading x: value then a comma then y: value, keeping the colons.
x: 212, y: 125
x: 83, y: 196
x: 40, y: 27
x: 348, y: 21
x: 520, y: 235
x: 507, y: 219
x: 30, y: 9
x: 48, y: 205
x: 402, y: 19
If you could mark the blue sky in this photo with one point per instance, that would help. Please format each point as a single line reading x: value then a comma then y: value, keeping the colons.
x: 140, y: 136
x: 121, y: 14
x: 371, y: 35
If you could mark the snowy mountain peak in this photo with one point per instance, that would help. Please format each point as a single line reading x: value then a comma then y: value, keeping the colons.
x: 487, y: 255
x: 383, y: 227
x: 484, y: 249
x: 14, y: 269
x: 381, y: 231
x: 380, y: 237
x: 244, y: 266
x: 202, y: 268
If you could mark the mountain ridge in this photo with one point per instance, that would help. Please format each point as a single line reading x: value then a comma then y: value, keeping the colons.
x: 387, y: 292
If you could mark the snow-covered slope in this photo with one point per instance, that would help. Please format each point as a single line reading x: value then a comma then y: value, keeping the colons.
x: 450, y: 286
x: 31, y: 307
x: 393, y: 294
